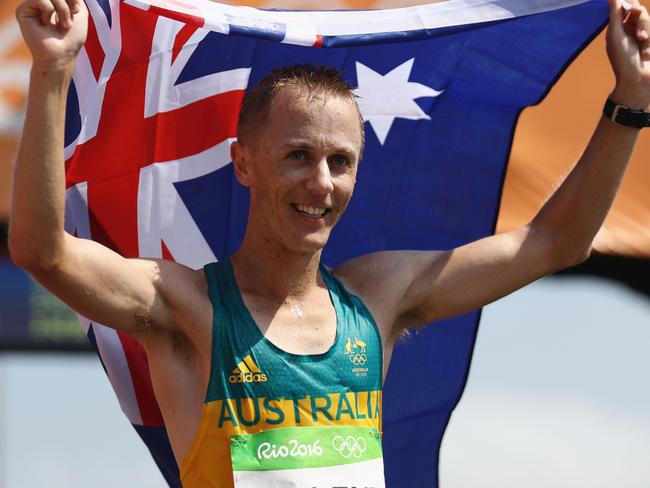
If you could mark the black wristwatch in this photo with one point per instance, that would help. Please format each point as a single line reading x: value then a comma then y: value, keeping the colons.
x: 626, y: 116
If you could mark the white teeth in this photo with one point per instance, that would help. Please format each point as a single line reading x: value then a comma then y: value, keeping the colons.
x: 313, y: 211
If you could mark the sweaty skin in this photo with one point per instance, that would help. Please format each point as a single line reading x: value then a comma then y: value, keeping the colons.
x: 303, y: 163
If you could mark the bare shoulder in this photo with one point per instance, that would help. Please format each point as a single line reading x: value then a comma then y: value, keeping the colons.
x: 382, y: 273
x: 379, y: 279
x: 366, y: 274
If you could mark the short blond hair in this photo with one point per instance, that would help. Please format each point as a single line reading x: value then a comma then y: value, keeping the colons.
x: 313, y: 79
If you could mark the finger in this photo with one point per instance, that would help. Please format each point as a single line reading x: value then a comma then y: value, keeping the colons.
x: 616, y: 17
x: 631, y: 21
x: 46, y: 12
x: 637, y: 26
x: 643, y: 34
x: 74, y: 6
x: 63, y: 11
x: 642, y: 26
x: 40, y: 9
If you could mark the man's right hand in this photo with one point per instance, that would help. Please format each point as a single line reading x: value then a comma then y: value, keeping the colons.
x: 54, y: 30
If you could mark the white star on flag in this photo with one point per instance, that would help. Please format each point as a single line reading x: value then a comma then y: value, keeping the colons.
x: 382, y: 99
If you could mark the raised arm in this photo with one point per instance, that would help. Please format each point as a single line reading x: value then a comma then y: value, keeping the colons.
x: 93, y: 280
x: 426, y: 286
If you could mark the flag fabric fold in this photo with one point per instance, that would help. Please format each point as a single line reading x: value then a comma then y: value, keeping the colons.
x: 153, y: 110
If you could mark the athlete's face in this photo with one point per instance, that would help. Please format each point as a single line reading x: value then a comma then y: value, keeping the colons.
x: 301, y: 168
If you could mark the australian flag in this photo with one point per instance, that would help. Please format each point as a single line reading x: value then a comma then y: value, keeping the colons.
x: 153, y: 110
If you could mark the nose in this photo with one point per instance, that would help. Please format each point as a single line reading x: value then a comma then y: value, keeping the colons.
x: 320, y: 178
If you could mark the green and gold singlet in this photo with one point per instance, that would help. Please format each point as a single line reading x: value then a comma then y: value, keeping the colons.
x: 272, y: 418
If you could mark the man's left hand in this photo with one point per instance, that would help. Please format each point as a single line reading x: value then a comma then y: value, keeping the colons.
x: 628, y: 48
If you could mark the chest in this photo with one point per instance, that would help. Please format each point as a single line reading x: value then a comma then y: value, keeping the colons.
x: 299, y: 327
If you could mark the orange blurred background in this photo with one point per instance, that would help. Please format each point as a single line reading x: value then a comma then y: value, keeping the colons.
x: 14, y: 74
x: 549, y: 137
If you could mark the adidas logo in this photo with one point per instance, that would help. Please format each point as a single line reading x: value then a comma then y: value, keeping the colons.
x: 247, y: 372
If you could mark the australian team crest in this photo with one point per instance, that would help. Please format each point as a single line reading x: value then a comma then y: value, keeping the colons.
x: 356, y: 352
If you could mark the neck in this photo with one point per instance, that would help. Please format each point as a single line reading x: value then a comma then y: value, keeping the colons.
x: 273, y: 271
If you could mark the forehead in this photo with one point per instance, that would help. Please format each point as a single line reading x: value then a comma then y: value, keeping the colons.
x: 320, y: 119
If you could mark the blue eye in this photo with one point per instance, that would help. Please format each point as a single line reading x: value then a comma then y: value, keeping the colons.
x: 340, y: 160
x: 298, y: 155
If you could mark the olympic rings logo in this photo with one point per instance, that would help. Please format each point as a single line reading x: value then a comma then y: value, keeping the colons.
x: 350, y: 446
x: 358, y: 359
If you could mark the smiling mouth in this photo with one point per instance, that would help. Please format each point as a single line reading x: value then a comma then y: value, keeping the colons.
x: 309, y: 211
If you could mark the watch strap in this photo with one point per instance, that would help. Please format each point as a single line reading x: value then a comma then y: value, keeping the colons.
x: 627, y: 116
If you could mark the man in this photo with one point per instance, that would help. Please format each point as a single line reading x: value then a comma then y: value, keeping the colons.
x: 268, y: 359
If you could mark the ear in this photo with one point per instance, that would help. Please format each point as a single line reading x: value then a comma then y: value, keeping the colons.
x: 241, y: 160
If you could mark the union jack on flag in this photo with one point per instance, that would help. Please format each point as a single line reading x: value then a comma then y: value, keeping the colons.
x: 153, y: 110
